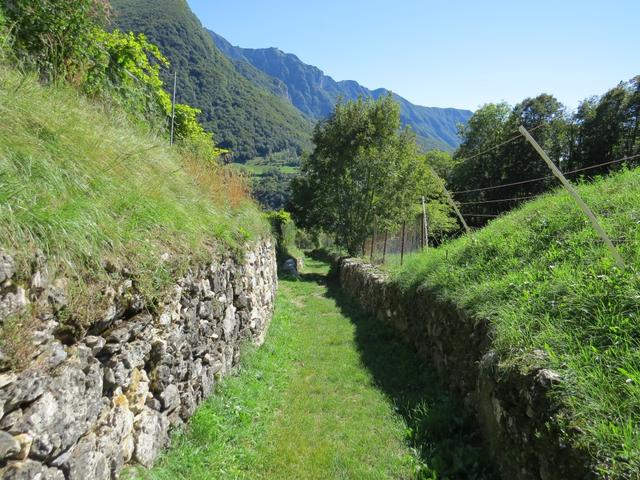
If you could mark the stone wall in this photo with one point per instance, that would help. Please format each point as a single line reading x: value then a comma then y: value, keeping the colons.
x: 513, y: 408
x: 83, y: 409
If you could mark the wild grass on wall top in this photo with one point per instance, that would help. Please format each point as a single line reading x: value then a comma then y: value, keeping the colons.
x: 546, y: 283
x: 86, y: 187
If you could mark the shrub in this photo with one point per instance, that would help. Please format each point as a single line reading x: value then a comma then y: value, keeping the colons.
x: 55, y: 36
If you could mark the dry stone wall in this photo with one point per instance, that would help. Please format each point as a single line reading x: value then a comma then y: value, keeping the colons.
x: 83, y: 409
x: 513, y: 408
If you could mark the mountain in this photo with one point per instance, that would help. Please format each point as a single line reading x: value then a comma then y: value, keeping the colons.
x: 247, y: 110
x: 315, y: 94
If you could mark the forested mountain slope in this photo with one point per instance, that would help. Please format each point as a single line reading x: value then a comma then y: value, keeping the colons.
x: 315, y: 93
x: 239, y: 106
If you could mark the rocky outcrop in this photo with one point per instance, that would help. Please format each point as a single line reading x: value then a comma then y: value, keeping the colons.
x: 514, y: 408
x: 82, y: 409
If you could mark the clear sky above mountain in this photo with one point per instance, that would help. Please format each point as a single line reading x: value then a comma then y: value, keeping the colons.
x: 447, y: 53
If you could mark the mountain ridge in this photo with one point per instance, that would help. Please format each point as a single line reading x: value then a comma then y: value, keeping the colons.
x: 245, y: 109
x: 315, y: 94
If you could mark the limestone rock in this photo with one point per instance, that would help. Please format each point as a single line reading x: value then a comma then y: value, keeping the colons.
x: 7, y: 266
x: 64, y: 412
x: 150, y: 436
x: 9, y: 446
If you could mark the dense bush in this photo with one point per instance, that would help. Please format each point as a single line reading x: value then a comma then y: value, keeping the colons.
x: 55, y: 36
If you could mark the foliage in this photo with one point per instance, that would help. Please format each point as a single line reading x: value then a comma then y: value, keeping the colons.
x: 602, y: 130
x: 441, y: 162
x: 53, y: 36
x: 272, y: 189
x: 331, y: 394
x: 285, y: 231
x: 544, y: 282
x: 85, y: 186
x: 364, y: 173
x: 247, y: 120
x: 126, y: 67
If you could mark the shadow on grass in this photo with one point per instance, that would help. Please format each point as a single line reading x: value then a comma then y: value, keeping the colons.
x: 439, y: 428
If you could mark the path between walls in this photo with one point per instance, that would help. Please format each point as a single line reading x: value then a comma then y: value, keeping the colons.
x: 331, y: 394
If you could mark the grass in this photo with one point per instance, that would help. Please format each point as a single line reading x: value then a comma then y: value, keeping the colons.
x: 86, y: 187
x: 331, y: 395
x: 546, y: 283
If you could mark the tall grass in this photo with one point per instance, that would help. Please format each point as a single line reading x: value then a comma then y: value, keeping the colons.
x: 546, y: 283
x: 86, y: 187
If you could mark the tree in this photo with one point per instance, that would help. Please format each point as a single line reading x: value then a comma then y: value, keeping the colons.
x: 490, y: 157
x: 364, y: 173
x: 441, y: 162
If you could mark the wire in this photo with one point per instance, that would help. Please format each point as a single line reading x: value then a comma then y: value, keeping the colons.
x: 500, y: 144
x: 501, y: 200
x: 503, y: 185
x: 624, y: 159
x: 479, y: 215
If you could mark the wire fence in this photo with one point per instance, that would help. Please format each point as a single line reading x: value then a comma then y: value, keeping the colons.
x: 394, y: 247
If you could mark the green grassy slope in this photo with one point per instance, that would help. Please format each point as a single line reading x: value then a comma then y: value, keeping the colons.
x: 245, y: 118
x: 545, y: 282
x: 83, y: 186
x: 322, y: 399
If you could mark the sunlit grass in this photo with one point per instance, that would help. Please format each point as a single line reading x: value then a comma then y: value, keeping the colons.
x: 331, y: 395
x: 545, y: 282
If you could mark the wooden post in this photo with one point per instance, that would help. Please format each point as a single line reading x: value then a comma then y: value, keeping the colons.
x: 455, y: 208
x: 404, y: 224
x: 384, y: 248
x: 574, y: 193
x: 173, y: 105
x: 373, y: 242
x: 425, y: 223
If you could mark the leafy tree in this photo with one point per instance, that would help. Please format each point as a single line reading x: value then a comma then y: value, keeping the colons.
x: 488, y: 157
x: 608, y: 126
x: 441, y: 162
x: 364, y: 173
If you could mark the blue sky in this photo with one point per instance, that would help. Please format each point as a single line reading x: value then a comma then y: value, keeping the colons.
x: 447, y: 53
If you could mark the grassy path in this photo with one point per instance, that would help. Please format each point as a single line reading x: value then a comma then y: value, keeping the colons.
x: 331, y: 395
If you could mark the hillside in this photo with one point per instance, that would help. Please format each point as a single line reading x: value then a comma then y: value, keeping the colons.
x: 553, y: 298
x: 246, y: 116
x: 96, y: 193
x: 315, y: 93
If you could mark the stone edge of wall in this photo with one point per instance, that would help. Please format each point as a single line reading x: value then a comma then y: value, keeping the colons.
x: 85, y: 409
x: 514, y: 410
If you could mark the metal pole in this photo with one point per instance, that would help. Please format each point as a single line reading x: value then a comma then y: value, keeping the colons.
x: 373, y: 242
x: 173, y: 105
x: 402, y: 244
x: 384, y: 248
x: 574, y: 193
x: 425, y: 223
x: 455, y: 208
